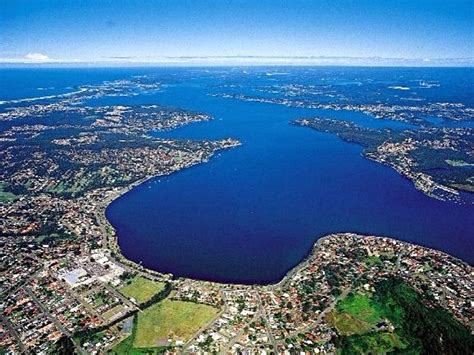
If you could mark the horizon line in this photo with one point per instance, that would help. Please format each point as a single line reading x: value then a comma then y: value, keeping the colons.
x: 243, y: 60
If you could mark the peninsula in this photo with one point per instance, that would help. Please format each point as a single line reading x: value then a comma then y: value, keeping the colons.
x: 438, y: 161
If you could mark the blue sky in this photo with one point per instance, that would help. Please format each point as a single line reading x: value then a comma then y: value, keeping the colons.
x: 148, y: 31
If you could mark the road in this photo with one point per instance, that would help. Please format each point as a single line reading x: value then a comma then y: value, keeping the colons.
x: 321, y: 315
x: 207, y: 326
x: 263, y: 312
x: 14, y: 333
x: 55, y: 321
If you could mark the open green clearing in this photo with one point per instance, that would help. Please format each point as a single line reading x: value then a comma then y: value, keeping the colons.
x: 397, y: 318
x: 361, y: 307
x: 346, y: 324
x: 126, y: 348
x: 356, y: 314
x: 376, y: 343
x: 167, y: 319
x: 141, y: 289
x: 171, y: 319
x: 5, y: 196
x: 373, y: 260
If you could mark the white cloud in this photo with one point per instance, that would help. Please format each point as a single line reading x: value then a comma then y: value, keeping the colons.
x: 37, y: 57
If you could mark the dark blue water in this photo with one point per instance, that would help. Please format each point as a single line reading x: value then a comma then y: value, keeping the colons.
x: 254, y: 212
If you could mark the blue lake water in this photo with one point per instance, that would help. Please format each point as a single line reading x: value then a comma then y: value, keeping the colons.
x: 253, y: 212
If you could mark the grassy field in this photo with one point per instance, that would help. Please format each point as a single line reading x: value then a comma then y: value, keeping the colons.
x: 414, y: 327
x: 355, y: 319
x: 141, y: 289
x: 361, y: 307
x: 346, y: 324
x: 376, y: 343
x: 175, y: 319
x: 126, y: 347
x: 356, y: 314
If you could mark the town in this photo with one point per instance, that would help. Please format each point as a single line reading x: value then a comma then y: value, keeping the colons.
x: 417, y: 115
x: 438, y: 161
x: 101, y: 302
x: 240, y: 177
x: 67, y: 288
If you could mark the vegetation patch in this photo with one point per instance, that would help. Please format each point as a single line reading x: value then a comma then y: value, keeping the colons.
x: 113, y: 311
x: 373, y: 260
x: 126, y: 346
x: 168, y: 319
x: 397, y: 318
x: 374, y: 343
x: 346, y: 324
x: 141, y: 289
x: 360, y: 306
x: 6, y: 196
